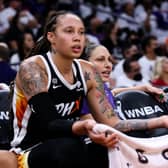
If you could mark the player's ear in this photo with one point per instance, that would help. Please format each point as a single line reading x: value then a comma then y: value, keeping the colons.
x: 51, y: 37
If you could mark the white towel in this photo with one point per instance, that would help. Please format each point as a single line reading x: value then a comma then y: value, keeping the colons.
x: 131, y: 152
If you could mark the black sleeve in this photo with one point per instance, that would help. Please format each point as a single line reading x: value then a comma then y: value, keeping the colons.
x: 46, y: 118
x: 61, y: 127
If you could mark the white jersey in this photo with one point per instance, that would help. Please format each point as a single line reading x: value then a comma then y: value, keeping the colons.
x: 147, y: 67
x: 124, y: 81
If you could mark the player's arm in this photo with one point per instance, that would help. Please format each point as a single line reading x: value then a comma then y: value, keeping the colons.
x: 32, y: 78
x: 157, y: 92
x: 102, y: 110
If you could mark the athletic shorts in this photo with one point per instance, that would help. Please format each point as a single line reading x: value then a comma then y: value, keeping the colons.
x: 64, y: 153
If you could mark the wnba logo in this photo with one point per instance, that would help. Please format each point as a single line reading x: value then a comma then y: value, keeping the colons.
x: 4, y: 115
x: 137, y: 112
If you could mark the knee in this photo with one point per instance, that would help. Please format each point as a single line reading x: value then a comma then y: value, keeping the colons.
x: 8, y: 159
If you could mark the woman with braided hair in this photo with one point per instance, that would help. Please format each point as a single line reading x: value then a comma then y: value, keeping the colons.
x: 48, y: 94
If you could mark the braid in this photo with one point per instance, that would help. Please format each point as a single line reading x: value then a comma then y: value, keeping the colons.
x: 43, y: 45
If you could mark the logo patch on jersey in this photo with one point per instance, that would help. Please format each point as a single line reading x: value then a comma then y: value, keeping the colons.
x: 68, y: 108
x: 56, y: 86
x: 54, y: 82
x: 65, y: 108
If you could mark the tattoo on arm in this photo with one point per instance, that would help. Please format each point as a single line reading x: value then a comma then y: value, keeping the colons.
x: 131, y: 125
x: 106, y: 107
x: 33, y: 78
x: 87, y: 76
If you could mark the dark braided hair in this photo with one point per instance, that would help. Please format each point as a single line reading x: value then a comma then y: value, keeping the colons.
x: 43, y: 45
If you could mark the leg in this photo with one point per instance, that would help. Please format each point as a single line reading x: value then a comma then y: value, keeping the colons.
x: 98, y: 156
x: 61, y: 153
x: 7, y: 159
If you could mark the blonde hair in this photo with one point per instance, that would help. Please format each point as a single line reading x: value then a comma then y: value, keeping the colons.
x: 157, y: 71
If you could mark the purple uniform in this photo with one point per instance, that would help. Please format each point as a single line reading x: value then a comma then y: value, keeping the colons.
x: 85, y: 107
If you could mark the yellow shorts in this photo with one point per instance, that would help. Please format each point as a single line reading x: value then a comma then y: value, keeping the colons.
x: 22, y: 160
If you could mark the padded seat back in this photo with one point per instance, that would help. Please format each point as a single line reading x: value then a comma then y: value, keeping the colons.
x: 140, y: 105
x: 5, y: 119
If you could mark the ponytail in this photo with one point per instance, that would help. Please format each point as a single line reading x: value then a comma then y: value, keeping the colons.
x: 43, y: 45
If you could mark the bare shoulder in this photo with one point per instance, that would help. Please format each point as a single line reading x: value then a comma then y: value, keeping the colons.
x: 87, y: 68
x: 85, y: 64
x: 32, y: 76
x: 91, y: 75
x: 34, y: 59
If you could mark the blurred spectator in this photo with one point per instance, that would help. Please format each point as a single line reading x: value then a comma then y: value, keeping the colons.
x: 129, y: 50
x: 160, y: 10
x: 127, y: 19
x: 4, y: 25
x: 95, y: 28
x: 134, y: 38
x: 104, y: 11
x: 160, y: 73
x: 143, y: 13
x: 6, y: 73
x: 25, y: 17
x: 132, y: 74
x: 30, y: 22
x: 38, y: 8
x: 147, y: 61
x: 25, y: 44
x: 165, y: 47
x: 19, y: 25
x: 153, y: 15
x: 92, y: 39
x: 111, y: 40
x: 70, y: 5
x: 8, y: 13
x: 86, y: 9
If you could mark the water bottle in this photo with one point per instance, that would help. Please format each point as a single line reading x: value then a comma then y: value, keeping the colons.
x: 165, y: 96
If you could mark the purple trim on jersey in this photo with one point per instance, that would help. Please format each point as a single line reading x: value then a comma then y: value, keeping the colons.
x: 85, y: 107
x: 109, y: 96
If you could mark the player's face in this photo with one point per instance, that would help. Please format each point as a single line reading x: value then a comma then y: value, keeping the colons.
x: 101, y: 58
x: 69, y: 36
